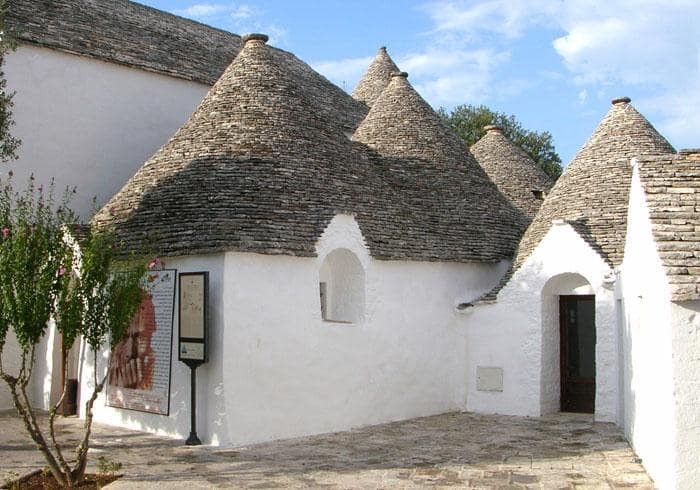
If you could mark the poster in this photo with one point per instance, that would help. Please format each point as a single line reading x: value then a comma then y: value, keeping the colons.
x: 192, y: 306
x: 139, y: 373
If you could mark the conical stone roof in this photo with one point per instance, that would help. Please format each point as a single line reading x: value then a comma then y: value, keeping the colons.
x: 515, y: 174
x: 403, y: 127
x: 245, y: 170
x: 263, y: 166
x: 376, y: 78
x: 593, y: 192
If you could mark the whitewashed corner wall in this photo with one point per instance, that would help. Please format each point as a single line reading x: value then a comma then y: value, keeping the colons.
x: 685, y: 344
x: 89, y: 123
x: 650, y: 339
x: 520, y: 332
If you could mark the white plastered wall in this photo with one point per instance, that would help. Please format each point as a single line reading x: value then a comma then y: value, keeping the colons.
x: 211, y: 411
x: 289, y: 373
x: 278, y: 370
x: 685, y: 343
x: 520, y: 332
x: 45, y: 385
x: 89, y: 123
x: 648, y: 341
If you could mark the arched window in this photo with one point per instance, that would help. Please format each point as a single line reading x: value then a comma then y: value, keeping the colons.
x: 342, y: 287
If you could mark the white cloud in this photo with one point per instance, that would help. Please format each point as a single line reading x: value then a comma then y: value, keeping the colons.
x: 242, y: 12
x: 204, y: 10
x: 345, y: 73
x: 445, y: 77
x: 504, y: 17
x: 645, y: 46
x: 583, y: 96
x: 240, y: 18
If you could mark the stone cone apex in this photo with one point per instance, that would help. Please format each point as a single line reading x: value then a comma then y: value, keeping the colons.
x: 402, y: 125
x: 213, y: 186
x: 376, y: 78
x: 593, y: 193
x: 515, y: 174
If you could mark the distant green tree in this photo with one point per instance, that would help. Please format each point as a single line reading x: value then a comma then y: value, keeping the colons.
x: 468, y: 121
x: 8, y: 144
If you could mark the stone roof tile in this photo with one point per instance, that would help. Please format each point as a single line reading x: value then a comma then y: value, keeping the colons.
x: 262, y: 167
x: 376, y: 78
x: 592, y: 193
x: 401, y: 125
x: 515, y: 174
x: 672, y: 189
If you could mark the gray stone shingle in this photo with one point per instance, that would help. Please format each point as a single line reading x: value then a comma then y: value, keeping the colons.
x: 672, y: 189
x: 262, y: 167
x: 376, y: 78
x: 515, y: 174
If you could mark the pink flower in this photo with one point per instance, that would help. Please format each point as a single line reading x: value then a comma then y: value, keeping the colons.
x: 5, y: 232
x: 155, y: 263
x: 61, y: 271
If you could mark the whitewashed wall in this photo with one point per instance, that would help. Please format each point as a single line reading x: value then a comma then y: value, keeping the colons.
x: 289, y: 373
x: 89, y: 123
x: 45, y: 384
x: 649, y: 419
x: 11, y: 361
x: 685, y: 343
x: 278, y: 370
x: 520, y: 332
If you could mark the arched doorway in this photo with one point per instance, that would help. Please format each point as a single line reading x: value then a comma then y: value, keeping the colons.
x: 568, y: 345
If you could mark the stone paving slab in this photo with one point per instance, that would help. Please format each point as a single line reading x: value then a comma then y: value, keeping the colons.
x: 458, y: 450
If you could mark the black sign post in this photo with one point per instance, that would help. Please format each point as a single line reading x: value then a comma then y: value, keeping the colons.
x: 192, y: 343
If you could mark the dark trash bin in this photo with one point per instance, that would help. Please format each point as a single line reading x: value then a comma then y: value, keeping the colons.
x: 70, y: 401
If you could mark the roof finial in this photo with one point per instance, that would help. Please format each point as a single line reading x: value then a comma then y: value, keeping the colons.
x: 401, y: 74
x: 621, y: 100
x: 492, y: 127
x: 382, y: 48
x: 255, y: 37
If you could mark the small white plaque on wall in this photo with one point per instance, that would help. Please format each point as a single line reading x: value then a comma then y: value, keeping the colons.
x: 489, y: 378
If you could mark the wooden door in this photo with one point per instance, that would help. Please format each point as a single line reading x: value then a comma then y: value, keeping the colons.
x: 577, y: 368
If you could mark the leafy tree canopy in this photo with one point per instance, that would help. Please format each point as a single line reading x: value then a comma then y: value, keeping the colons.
x: 8, y: 144
x: 469, y: 121
x: 87, y: 288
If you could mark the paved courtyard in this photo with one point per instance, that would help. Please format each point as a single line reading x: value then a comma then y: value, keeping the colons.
x: 450, y: 450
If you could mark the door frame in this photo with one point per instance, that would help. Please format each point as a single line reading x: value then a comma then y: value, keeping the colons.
x: 563, y: 349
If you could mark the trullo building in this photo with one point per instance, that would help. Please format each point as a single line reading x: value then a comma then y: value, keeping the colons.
x: 364, y: 266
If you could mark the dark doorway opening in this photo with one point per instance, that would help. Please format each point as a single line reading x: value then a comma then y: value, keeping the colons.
x: 577, y: 367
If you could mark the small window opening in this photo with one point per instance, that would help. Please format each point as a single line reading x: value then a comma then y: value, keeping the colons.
x: 538, y: 194
x: 342, y: 287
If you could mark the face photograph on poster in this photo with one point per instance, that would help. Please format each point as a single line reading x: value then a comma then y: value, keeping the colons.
x: 139, y: 372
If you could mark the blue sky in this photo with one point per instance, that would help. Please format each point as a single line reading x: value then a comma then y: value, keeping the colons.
x: 554, y: 64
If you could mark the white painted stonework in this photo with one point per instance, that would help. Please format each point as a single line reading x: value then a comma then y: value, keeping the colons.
x: 278, y: 370
x: 88, y: 123
x: 661, y: 365
x: 520, y: 332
